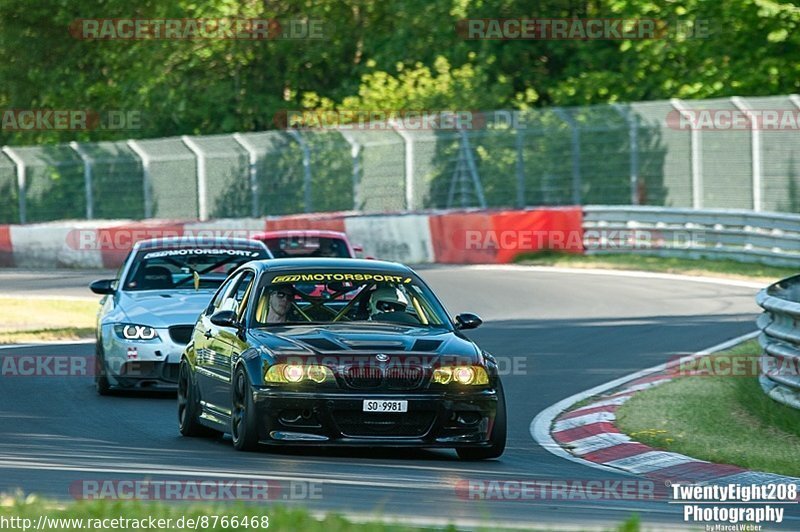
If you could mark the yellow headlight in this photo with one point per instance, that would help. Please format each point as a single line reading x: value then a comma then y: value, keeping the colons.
x: 275, y: 373
x: 317, y: 373
x: 464, y: 375
x: 293, y: 373
x: 442, y: 375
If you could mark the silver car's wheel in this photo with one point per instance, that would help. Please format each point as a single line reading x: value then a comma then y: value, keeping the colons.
x: 101, y: 383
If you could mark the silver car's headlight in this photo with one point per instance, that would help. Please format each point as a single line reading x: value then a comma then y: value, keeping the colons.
x: 129, y: 331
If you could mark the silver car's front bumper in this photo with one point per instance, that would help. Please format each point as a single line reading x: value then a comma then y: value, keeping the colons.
x: 141, y: 364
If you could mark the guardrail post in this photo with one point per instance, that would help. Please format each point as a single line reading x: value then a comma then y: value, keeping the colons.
x: 755, y: 150
x: 307, y: 200
x: 576, y: 153
x: 252, y: 156
x: 408, y: 141
x: 20, y: 164
x: 695, y: 148
x: 202, y: 197
x: 520, y: 144
x: 633, y: 139
x: 87, y: 178
x: 355, y: 155
x: 146, y: 178
x: 473, y: 169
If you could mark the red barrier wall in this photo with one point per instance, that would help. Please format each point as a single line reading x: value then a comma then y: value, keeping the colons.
x: 449, y: 234
x: 6, y: 251
x: 498, y: 237
x: 536, y: 230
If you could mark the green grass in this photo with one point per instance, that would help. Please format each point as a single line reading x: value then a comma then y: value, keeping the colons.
x: 58, y: 334
x: 719, y: 268
x: 39, y: 319
x: 280, y: 517
x: 722, y: 419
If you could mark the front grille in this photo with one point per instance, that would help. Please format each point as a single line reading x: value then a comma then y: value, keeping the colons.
x: 363, y: 376
x: 181, y: 334
x: 394, y: 377
x: 403, y: 377
x: 408, y: 424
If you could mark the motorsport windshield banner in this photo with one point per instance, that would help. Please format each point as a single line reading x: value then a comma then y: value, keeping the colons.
x: 341, y: 276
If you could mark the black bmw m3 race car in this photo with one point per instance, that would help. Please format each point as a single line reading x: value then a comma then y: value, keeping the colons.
x: 338, y: 352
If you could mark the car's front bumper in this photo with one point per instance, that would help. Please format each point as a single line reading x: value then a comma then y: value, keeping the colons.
x: 432, y: 420
x: 136, y: 364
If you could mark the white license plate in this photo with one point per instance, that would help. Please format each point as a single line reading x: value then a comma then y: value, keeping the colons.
x: 380, y: 405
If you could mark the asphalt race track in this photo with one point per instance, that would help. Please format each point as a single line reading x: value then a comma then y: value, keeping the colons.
x: 566, y: 332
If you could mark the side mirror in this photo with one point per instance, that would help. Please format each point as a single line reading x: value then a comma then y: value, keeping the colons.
x: 103, y: 286
x: 359, y: 250
x: 225, y: 318
x: 468, y: 321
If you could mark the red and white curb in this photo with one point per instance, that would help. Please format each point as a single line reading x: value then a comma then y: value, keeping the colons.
x: 589, y: 435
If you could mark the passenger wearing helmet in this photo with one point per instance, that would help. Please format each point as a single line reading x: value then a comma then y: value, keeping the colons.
x: 389, y: 304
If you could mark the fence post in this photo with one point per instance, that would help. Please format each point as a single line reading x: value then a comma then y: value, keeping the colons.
x: 695, y: 147
x: 755, y: 152
x: 252, y: 156
x: 202, y: 197
x: 355, y: 155
x: 520, y: 138
x: 307, y: 200
x: 146, y: 178
x: 576, y: 153
x: 409, y: 164
x: 473, y: 169
x: 633, y: 140
x: 87, y: 178
x: 21, y: 185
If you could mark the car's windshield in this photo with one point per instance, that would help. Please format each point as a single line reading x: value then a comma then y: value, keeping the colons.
x: 347, y: 297
x: 307, y: 246
x: 186, y: 268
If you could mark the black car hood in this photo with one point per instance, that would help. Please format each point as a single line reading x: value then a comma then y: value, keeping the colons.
x: 353, y: 340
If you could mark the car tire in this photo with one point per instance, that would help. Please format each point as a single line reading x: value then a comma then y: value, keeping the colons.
x: 498, y: 437
x: 243, y: 415
x: 189, y: 405
x: 101, y: 384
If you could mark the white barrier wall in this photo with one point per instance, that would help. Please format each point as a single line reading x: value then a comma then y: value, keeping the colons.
x: 54, y: 245
x: 402, y: 238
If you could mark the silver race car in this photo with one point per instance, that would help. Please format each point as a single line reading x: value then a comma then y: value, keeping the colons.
x: 148, y: 312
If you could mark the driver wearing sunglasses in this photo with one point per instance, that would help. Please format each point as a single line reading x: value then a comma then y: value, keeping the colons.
x: 279, y: 305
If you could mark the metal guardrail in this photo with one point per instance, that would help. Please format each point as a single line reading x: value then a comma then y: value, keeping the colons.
x: 740, y: 235
x: 780, y: 339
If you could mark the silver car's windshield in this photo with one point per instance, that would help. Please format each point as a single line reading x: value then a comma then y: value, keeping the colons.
x: 186, y: 268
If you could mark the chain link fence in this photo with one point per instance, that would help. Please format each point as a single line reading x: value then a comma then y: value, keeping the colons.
x: 627, y: 154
